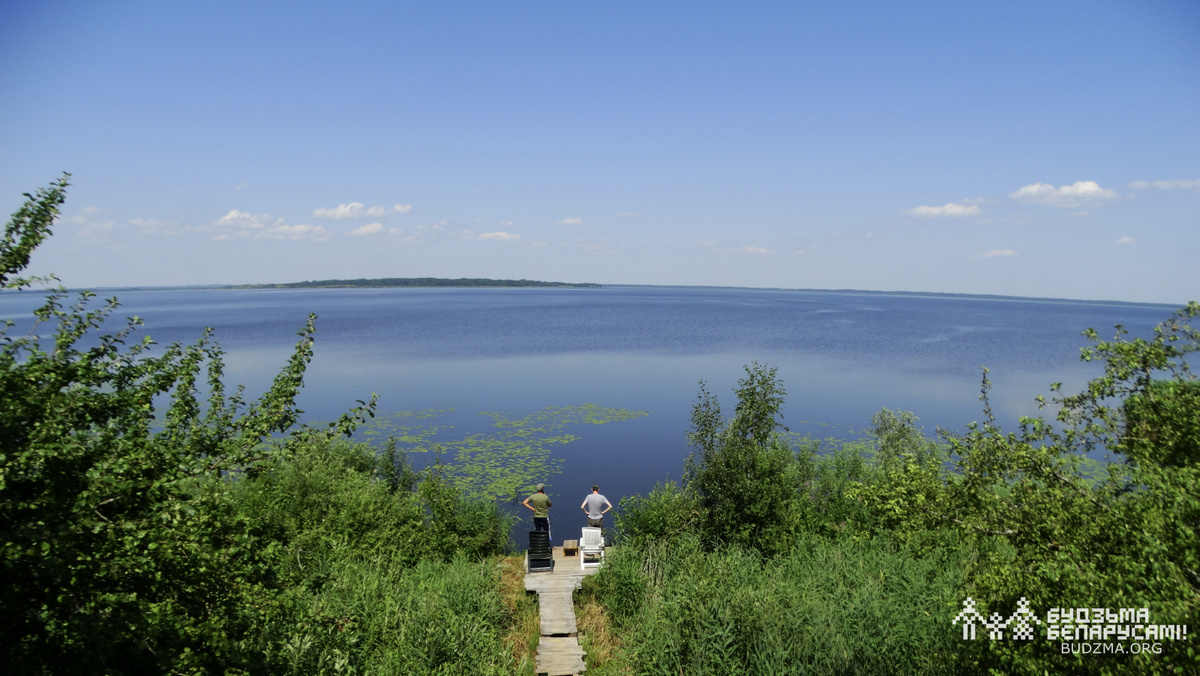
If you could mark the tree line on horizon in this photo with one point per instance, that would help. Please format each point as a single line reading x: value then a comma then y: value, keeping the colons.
x: 417, y: 282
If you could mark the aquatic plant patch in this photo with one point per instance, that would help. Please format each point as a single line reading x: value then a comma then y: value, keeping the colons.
x: 508, y: 459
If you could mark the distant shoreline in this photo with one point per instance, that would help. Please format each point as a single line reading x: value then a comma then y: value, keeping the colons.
x: 416, y: 282
x: 464, y: 283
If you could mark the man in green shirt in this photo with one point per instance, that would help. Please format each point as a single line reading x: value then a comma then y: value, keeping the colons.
x: 539, y: 504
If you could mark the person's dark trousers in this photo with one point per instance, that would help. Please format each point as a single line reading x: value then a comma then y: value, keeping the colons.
x: 595, y: 523
x: 541, y: 523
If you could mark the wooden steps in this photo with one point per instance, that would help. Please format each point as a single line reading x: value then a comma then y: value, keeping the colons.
x: 559, y: 652
x: 559, y: 656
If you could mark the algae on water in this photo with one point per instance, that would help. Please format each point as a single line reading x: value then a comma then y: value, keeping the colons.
x: 500, y: 463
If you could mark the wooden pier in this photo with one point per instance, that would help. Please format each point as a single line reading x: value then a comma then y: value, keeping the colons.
x: 559, y: 652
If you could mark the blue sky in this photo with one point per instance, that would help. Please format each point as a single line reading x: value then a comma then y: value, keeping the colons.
x: 1029, y: 148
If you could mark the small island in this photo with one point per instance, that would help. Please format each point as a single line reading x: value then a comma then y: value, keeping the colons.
x: 389, y: 282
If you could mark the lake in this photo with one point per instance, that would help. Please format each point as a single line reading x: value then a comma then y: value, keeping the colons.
x: 438, y: 358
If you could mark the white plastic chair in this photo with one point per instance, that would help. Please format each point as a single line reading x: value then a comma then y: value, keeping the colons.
x: 591, y: 543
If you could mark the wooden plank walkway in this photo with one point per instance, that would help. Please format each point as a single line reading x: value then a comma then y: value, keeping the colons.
x: 559, y: 652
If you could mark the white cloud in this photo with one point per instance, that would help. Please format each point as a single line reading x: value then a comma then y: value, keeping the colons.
x: 241, y: 220
x: 752, y: 250
x: 628, y: 214
x: 1125, y: 240
x: 507, y: 224
x: 950, y: 209
x: 574, y: 220
x: 502, y: 236
x: 91, y: 210
x: 999, y: 252
x: 368, y: 229
x: 240, y: 186
x: 351, y: 210
x: 241, y: 224
x: 706, y: 242
x: 1177, y: 184
x: 1081, y: 192
x: 402, y: 208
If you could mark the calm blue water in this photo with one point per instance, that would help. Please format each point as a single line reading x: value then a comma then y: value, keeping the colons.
x: 842, y: 356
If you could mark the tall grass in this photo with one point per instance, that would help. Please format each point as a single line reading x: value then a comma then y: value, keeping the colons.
x: 378, y: 616
x: 605, y: 652
x: 382, y: 570
x: 828, y: 606
x: 524, y: 627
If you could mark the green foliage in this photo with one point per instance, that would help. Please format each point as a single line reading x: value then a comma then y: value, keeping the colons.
x: 458, y: 525
x: 383, y: 568
x: 120, y: 546
x: 1162, y: 427
x: 899, y: 442
x: 904, y: 473
x: 668, y: 511
x: 320, y: 499
x: 376, y: 614
x: 1046, y: 531
x: 826, y: 606
x: 830, y: 484
x: 1011, y: 514
x: 151, y: 523
x: 27, y: 228
x: 760, y: 396
x: 745, y: 476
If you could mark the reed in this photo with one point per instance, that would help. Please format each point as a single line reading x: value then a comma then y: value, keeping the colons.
x: 523, y: 626
x: 828, y: 606
x: 381, y: 576
x: 606, y: 654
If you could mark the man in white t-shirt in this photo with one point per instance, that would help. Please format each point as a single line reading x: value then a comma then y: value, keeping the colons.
x: 595, y: 505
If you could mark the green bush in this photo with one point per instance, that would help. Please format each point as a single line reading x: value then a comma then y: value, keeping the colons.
x: 1046, y: 531
x: 384, y: 570
x: 742, y: 471
x: 122, y: 549
x: 993, y: 515
x: 668, y: 511
x: 145, y: 531
x: 1162, y: 427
